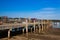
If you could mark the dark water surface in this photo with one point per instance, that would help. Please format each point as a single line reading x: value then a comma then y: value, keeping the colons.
x: 14, y: 32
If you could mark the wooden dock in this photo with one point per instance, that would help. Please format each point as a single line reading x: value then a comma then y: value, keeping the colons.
x: 26, y: 24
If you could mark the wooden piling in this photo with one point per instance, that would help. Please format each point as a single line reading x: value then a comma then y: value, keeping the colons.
x: 39, y: 27
x: 42, y: 25
x: 47, y: 24
x: 9, y: 33
x: 26, y: 26
x: 34, y: 26
x: 31, y: 30
x: 23, y: 30
x: 29, y: 20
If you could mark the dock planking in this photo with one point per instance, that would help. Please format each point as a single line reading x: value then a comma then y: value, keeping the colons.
x: 16, y: 25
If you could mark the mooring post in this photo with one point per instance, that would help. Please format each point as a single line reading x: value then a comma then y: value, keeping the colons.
x: 9, y: 33
x: 29, y: 20
x: 34, y: 26
x: 26, y: 26
x: 23, y: 30
x: 47, y: 24
x: 31, y: 30
x: 42, y: 25
x: 39, y: 26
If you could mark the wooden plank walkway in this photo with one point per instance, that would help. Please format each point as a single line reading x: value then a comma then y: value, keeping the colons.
x: 16, y: 25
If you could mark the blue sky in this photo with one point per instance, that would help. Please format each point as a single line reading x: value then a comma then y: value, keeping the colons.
x: 42, y: 9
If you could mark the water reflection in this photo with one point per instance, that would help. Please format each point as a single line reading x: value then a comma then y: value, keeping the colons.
x: 56, y: 24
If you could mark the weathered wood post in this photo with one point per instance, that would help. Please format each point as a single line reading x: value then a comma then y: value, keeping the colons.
x: 42, y: 25
x: 29, y: 20
x: 34, y: 26
x: 31, y: 30
x: 9, y: 33
x: 39, y: 26
x: 23, y: 30
x: 47, y: 23
x: 26, y: 26
x: 50, y: 23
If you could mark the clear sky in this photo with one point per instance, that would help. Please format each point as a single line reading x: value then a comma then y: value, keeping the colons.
x: 42, y: 9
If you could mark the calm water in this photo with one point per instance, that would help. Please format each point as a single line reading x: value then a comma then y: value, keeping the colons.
x: 15, y: 31
x: 56, y: 25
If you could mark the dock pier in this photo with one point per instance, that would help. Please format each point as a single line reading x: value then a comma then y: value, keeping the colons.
x: 26, y: 24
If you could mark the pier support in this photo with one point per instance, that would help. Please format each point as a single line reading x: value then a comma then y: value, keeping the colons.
x: 34, y: 26
x: 31, y: 30
x: 9, y: 33
x: 47, y: 23
x: 39, y: 27
x: 23, y: 30
x: 42, y: 25
x: 27, y: 27
x: 29, y: 20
